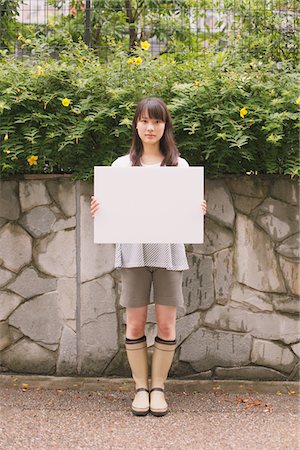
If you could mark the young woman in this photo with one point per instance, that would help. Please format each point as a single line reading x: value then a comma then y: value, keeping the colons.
x: 143, y: 264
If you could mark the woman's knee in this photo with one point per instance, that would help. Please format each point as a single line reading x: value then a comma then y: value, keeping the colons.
x: 136, y: 321
x: 135, y: 330
x: 166, y: 321
x: 166, y: 330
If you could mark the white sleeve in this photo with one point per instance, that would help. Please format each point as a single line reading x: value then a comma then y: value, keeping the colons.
x: 116, y: 163
x: 122, y: 161
x: 182, y: 162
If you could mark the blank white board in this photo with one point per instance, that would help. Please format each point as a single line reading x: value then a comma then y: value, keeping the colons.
x: 148, y: 205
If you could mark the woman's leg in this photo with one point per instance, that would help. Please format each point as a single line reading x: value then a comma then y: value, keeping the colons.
x: 137, y: 354
x: 136, y: 321
x: 166, y: 321
x: 163, y: 353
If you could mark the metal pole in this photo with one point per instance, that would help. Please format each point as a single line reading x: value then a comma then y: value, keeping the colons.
x: 87, y: 24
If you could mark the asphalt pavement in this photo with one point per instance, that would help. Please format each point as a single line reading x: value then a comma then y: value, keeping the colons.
x: 66, y: 413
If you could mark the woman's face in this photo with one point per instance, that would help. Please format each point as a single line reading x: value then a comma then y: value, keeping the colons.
x: 150, y: 130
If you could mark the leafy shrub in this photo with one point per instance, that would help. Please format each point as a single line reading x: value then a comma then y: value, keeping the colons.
x: 75, y: 112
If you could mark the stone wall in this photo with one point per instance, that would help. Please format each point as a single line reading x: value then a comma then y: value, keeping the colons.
x: 59, y: 298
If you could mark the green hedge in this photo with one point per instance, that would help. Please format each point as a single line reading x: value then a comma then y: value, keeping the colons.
x: 207, y: 98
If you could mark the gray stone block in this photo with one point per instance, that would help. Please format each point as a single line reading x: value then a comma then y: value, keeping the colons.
x: 254, y: 258
x: 5, y: 340
x: 97, y: 298
x: 295, y: 374
x: 119, y: 365
x: 2, y: 222
x: 287, y: 303
x: 30, y: 283
x: 216, y: 238
x: 96, y: 259
x: 67, y: 354
x: 286, y: 190
x: 15, y: 247
x: 8, y: 303
x: 99, y: 326
x: 219, y: 202
x: 255, y: 300
x: 98, y: 344
x: 33, y: 193
x: 249, y: 373
x: 38, y: 221
x: 5, y: 276
x: 28, y: 357
x: 244, y: 203
x: 9, y: 201
x: 291, y: 273
x: 290, y: 248
x: 40, y: 320
x: 15, y: 334
x: 186, y: 326
x: 64, y: 224
x: 250, y: 185
x: 183, y: 370
x: 296, y: 349
x: 63, y: 193
x: 198, y: 285
x: 205, y: 349
x: 67, y: 292
x: 150, y: 332
x: 223, y: 275
x: 150, y: 314
x: 271, y: 354
x: 271, y: 326
x: 56, y: 254
x: 278, y: 219
x: 177, y: 372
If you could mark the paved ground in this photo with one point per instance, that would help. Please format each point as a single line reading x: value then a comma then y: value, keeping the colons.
x: 45, y: 413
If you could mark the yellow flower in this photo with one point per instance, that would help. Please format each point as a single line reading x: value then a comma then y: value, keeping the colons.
x: 66, y: 102
x: 243, y: 112
x: 7, y: 152
x: 40, y: 71
x: 32, y: 160
x: 6, y: 137
x: 130, y: 61
x: 197, y: 83
x: 20, y: 37
x: 298, y: 100
x: 138, y: 60
x: 145, y: 45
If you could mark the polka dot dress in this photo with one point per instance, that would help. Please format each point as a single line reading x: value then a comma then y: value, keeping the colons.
x: 168, y: 256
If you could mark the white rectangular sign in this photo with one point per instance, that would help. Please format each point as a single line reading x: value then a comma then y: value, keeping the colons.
x: 149, y: 205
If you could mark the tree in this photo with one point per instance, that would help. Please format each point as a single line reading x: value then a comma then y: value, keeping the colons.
x: 9, y: 10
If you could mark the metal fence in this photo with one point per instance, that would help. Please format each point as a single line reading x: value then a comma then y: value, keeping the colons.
x: 170, y: 26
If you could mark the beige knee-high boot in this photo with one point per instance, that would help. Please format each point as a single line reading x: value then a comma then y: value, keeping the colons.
x: 161, y: 362
x: 137, y: 355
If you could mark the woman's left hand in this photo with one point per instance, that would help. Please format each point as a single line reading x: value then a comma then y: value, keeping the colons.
x: 203, y: 206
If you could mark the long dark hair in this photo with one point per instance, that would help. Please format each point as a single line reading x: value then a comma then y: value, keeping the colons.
x: 156, y: 109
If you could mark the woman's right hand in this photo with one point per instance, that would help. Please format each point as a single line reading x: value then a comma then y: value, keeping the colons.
x: 94, y: 206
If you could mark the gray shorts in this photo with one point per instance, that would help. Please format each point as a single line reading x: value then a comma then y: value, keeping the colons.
x: 137, y: 282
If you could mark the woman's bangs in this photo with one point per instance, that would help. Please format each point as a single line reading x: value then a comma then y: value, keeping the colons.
x: 154, y: 111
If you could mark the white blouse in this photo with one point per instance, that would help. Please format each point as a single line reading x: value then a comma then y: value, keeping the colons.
x: 168, y: 256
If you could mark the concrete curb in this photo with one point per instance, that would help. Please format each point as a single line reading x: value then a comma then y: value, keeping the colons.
x: 126, y: 384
